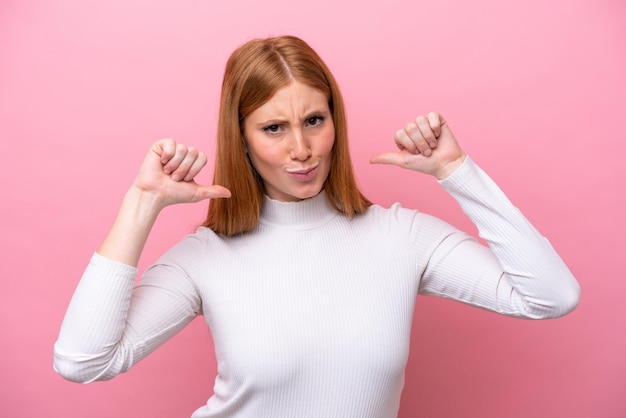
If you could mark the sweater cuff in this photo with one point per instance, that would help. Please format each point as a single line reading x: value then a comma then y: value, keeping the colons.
x: 463, y: 173
x: 112, y: 267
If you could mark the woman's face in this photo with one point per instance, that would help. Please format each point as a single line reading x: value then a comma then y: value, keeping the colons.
x: 289, y: 140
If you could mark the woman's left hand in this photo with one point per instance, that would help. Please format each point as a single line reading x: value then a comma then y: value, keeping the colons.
x: 426, y: 145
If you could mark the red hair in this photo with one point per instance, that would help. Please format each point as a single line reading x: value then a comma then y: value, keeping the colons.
x: 254, y: 72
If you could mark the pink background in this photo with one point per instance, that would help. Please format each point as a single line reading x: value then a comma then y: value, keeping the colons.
x: 534, y: 90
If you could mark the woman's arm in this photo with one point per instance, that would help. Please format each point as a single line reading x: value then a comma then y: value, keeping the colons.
x: 520, y: 274
x: 98, y: 339
x: 165, y: 178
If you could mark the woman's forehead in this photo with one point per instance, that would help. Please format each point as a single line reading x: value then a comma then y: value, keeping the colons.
x: 294, y: 100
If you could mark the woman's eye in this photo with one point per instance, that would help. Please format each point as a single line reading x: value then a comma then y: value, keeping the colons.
x: 272, y: 129
x: 315, y: 120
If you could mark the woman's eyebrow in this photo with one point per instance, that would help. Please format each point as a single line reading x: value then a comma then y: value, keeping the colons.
x: 281, y: 121
x: 273, y: 121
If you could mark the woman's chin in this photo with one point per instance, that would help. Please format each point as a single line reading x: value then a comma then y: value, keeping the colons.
x: 295, y: 195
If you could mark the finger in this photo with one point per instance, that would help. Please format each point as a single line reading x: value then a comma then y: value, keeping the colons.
x: 196, y: 166
x: 404, y: 142
x: 212, y: 192
x: 393, y: 158
x: 182, y: 170
x: 165, y: 148
x: 436, y: 122
x: 426, y: 131
x: 176, y: 159
x: 415, y: 135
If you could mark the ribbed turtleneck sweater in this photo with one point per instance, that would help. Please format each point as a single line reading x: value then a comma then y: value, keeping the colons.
x: 311, y: 311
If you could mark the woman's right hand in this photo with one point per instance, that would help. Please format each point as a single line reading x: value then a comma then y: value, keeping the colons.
x: 167, y: 175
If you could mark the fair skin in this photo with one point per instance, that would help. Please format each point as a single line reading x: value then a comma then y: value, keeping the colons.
x: 426, y: 145
x: 289, y: 141
x: 166, y: 177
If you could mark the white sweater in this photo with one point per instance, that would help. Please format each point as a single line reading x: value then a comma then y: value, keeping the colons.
x: 311, y: 312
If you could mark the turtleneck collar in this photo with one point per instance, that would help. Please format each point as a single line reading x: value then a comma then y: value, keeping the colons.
x: 306, y: 214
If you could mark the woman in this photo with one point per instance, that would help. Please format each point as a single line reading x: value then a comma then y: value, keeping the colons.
x: 308, y: 289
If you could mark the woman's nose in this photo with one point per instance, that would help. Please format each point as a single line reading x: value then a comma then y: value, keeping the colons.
x: 300, y: 147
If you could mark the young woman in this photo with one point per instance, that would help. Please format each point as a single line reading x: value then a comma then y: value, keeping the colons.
x: 307, y: 287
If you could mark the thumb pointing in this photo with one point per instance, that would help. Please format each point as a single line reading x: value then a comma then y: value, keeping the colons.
x: 212, y: 192
x: 386, y: 158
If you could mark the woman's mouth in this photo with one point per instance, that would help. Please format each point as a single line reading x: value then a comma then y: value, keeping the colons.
x: 305, y: 174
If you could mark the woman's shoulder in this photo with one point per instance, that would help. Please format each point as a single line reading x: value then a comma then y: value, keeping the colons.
x: 401, y: 218
x: 194, y: 244
x: 388, y: 218
x: 395, y: 211
x: 204, y: 237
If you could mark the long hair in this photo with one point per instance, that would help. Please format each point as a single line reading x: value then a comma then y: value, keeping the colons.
x: 254, y: 72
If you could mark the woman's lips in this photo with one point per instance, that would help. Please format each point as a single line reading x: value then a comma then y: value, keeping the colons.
x: 305, y: 174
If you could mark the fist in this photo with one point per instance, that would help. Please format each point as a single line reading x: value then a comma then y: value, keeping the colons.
x: 426, y: 145
x: 168, y: 171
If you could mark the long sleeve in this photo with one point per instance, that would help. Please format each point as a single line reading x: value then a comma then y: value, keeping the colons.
x: 111, y: 324
x: 520, y: 274
x: 311, y: 312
